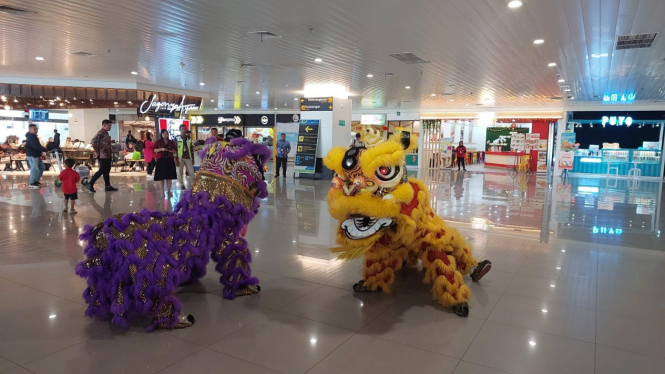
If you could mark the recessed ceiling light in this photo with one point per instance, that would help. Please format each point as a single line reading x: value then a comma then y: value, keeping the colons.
x: 552, y: 64
x: 134, y: 73
x: 318, y: 60
x: 561, y: 80
x: 129, y: 102
x: 115, y: 103
x: 246, y: 104
x: 552, y: 285
x: 295, y: 99
x: 212, y: 101
x: 432, y: 94
x: 370, y: 75
x: 532, y: 343
x: 514, y: 4
x: 258, y: 92
x: 408, y: 87
x: 544, y: 310
x: 202, y: 84
x: 39, y: 58
x: 538, y: 41
x: 74, y: 99
x: 452, y: 99
x: 275, y: 108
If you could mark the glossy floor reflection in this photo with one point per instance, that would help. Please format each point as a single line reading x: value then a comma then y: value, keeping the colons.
x: 576, y: 286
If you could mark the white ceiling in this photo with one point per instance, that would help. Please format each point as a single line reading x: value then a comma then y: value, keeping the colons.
x: 478, y: 49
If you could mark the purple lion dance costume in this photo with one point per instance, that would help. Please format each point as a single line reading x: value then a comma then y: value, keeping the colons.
x: 135, y: 261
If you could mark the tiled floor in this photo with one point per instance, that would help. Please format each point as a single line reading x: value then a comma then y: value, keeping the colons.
x: 577, y: 286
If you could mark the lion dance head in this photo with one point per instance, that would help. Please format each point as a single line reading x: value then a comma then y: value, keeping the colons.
x: 371, y: 193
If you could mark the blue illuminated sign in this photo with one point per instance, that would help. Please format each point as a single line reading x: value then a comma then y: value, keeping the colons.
x: 617, y: 98
x: 606, y: 230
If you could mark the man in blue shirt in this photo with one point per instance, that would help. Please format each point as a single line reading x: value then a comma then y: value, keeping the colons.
x: 283, y: 149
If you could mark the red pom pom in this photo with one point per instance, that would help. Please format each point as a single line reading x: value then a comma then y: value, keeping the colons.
x: 385, y: 128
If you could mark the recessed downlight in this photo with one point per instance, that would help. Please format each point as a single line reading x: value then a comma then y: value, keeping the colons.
x: 538, y: 41
x: 202, y: 84
x: 452, y: 99
x: 552, y: 64
x: 370, y: 75
x: 295, y: 99
x: 246, y: 104
x: 318, y: 60
x: 561, y: 80
x: 258, y: 92
x: 408, y: 87
x: 39, y: 58
x: 433, y: 94
x: 134, y: 73
x: 212, y: 101
x: 514, y: 4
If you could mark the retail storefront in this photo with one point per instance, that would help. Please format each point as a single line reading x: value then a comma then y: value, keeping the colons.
x: 376, y: 128
x: 493, y: 140
x: 616, y: 143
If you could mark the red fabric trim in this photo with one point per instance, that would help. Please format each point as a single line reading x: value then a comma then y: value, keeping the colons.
x: 408, y: 208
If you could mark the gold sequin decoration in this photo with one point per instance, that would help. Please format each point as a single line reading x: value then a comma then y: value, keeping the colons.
x: 132, y: 271
x: 119, y: 297
x: 217, y: 185
x: 165, y: 311
x: 165, y: 271
x: 92, y: 261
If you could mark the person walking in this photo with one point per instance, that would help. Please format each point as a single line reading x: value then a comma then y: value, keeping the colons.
x: 165, y: 150
x: 185, y: 156
x: 148, y: 154
x: 461, y: 154
x: 34, y: 151
x: 101, y: 143
x: 69, y: 178
x: 283, y: 149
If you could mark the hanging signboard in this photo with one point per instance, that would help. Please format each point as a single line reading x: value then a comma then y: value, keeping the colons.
x: 373, y: 119
x: 567, y: 154
x: 308, y: 143
x: 322, y: 104
x: 154, y: 106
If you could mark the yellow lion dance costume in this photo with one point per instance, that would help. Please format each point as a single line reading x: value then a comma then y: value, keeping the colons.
x: 386, y: 217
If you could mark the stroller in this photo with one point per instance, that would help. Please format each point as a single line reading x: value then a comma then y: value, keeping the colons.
x: 84, y: 172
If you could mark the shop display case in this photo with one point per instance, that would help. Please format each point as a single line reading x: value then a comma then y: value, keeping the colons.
x: 647, y: 156
x: 616, y: 155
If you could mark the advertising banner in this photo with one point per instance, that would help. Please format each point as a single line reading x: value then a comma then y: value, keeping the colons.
x: 567, y: 148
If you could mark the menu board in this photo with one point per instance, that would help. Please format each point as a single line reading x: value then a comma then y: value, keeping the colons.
x: 308, y: 143
x: 517, y: 142
x: 532, y: 141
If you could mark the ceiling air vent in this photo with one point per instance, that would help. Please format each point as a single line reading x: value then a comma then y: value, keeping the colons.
x: 265, y: 35
x: 14, y: 11
x: 84, y: 54
x: 408, y: 58
x: 635, y: 41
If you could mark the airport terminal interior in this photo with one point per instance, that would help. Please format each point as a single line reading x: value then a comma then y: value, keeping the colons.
x: 424, y: 186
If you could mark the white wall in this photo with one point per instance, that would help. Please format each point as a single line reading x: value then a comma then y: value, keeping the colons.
x: 84, y: 123
x: 331, y: 134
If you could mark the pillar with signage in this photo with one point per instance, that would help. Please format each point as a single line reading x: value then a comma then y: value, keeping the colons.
x: 334, y: 116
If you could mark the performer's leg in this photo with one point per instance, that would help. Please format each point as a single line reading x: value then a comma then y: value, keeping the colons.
x: 233, y: 263
x: 166, y: 314
x: 448, y: 285
x: 379, y: 268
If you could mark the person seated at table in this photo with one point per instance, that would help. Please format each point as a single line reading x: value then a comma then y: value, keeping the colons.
x: 68, y: 143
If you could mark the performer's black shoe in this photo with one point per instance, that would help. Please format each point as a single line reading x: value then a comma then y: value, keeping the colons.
x: 480, y: 270
x: 462, y: 309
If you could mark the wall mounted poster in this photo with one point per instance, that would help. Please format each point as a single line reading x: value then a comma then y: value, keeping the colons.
x: 498, y: 138
x: 532, y: 141
x: 567, y: 154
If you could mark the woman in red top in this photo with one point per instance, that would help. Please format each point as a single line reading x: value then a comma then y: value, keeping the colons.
x: 164, y: 151
x: 461, y: 153
x: 148, y: 154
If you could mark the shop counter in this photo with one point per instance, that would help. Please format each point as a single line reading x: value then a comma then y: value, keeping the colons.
x: 597, y: 165
x: 503, y: 159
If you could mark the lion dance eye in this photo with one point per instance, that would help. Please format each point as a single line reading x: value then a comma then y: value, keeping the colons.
x: 387, y: 173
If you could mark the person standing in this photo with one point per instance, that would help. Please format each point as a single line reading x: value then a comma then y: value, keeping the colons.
x: 165, y: 150
x: 461, y: 154
x: 57, y: 152
x: 129, y: 139
x: 148, y: 155
x: 101, y: 143
x: 358, y: 143
x: 34, y: 151
x: 283, y: 149
x: 69, y: 178
x: 185, y: 156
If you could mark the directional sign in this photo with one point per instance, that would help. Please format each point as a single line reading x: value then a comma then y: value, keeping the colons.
x: 308, y: 142
x: 309, y: 149
x: 308, y: 139
x: 322, y: 104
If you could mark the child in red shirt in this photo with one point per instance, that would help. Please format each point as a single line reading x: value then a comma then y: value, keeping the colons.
x: 69, y: 177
